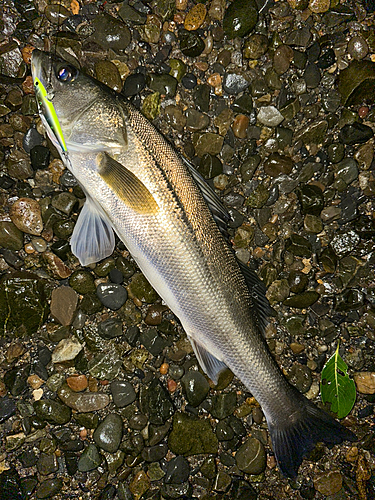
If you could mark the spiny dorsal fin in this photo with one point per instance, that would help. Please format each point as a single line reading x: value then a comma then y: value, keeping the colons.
x: 220, y: 214
x: 126, y: 185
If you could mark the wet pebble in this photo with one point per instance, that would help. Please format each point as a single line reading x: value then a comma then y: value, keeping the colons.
x: 240, y: 18
x: 191, y: 44
x: 49, y: 488
x: 154, y: 453
x: 190, y: 436
x: 355, y: 133
x: 110, y: 328
x: 82, y: 402
x: 39, y: 156
x: 26, y: 216
x: 140, y: 288
x: 66, y: 350
x: 234, y: 83
x: 223, y: 405
x: 111, y: 295
x: 64, y: 302
x: 107, y: 73
x: 31, y: 139
x: 195, y: 17
x: 365, y: 382
x: 110, y: 33
x: 10, y: 236
x: 358, y: 47
x: 123, y: 393
x: 328, y: 483
x: 52, y: 411
x: 195, y: 386
x: 277, y: 164
x: 251, y: 457
x: 177, y: 471
x: 109, y: 432
x: 7, y: 408
x: 90, y: 459
x: 134, y: 84
x: 77, y: 383
x: 300, y: 377
x: 270, y: 116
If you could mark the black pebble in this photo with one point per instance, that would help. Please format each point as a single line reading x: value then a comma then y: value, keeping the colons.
x: 39, y: 156
x: 189, y: 81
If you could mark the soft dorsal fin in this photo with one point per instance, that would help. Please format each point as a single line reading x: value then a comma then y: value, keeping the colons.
x: 208, y: 362
x: 220, y: 214
x: 92, y: 239
x: 126, y: 185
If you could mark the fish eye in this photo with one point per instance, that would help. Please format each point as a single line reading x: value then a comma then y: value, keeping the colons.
x: 67, y: 74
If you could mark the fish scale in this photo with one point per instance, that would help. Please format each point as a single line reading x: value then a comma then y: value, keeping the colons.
x: 137, y: 185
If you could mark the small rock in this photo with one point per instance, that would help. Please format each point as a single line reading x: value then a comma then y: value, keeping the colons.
x: 77, y: 383
x: 355, y: 133
x: 84, y: 401
x: 111, y: 295
x: 191, y: 436
x: 108, y: 434
x: 277, y: 164
x: 251, y: 457
x: 270, y: 116
x: 64, y: 302
x: 90, y: 459
x: 10, y: 236
x: 52, y: 411
x: 26, y: 216
x: 123, y: 393
x: 328, y: 483
x: 195, y: 17
x: 234, y: 83
x: 365, y: 382
x: 178, y: 471
x: 240, y: 18
x: 66, y: 350
x: 49, y: 488
x: 195, y: 386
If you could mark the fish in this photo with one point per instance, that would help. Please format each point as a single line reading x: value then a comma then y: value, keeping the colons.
x: 174, y: 226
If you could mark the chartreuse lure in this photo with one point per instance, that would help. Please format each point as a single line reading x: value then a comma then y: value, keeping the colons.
x: 48, y: 111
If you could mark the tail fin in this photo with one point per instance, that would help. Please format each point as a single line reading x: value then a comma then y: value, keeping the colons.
x: 310, y: 425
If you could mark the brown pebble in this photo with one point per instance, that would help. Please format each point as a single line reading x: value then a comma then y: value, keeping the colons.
x: 195, y: 17
x: 154, y: 314
x: 181, y: 4
x: 34, y: 381
x: 3, y: 389
x: 26, y: 53
x: 14, y: 351
x: 164, y: 368
x: 64, y: 302
x: 28, y: 85
x: 239, y: 126
x: 271, y: 461
x: 352, y: 454
x: 56, y: 266
x: 365, y: 382
x: 93, y: 384
x: 172, y: 385
x: 297, y: 348
x: 56, y: 167
x: 26, y: 215
x: 214, y: 80
x: 29, y: 248
x: 103, y: 382
x: 363, y: 111
x: 77, y: 383
x: 83, y: 433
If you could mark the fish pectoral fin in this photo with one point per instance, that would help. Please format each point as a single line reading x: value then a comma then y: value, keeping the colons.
x: 126, y: 185
x: 208, y: 362
x: 92, y: 239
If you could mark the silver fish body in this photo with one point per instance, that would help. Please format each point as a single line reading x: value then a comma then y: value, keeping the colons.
x: 138, y: 185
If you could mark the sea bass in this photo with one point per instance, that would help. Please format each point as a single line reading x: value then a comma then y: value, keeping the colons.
x: 137, y: 185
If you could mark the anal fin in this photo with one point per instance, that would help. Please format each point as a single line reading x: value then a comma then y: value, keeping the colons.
x: 208, y: 362
x: 92, y: 239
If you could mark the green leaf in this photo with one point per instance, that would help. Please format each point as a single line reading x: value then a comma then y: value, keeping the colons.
x: 336, y: 387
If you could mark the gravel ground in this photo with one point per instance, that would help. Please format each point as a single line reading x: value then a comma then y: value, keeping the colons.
x: 101, y: 394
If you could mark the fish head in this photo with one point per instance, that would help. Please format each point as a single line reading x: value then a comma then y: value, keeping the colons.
x: 78, y: 112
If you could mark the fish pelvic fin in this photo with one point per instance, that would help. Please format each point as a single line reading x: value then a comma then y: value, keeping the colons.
x: 306, y: 427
